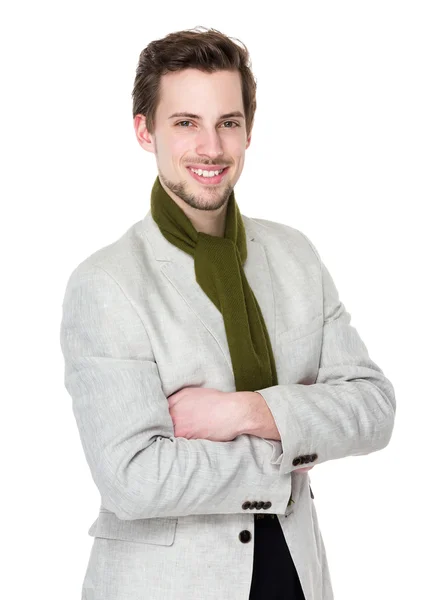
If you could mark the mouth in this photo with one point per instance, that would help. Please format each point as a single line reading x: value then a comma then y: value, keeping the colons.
x: 208, y: 177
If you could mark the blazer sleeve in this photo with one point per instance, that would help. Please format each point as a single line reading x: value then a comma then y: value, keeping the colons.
x: 140, y: 468
x: 348, y: 411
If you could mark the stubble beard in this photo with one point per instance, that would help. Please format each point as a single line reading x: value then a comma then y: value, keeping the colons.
x: 217, y: 199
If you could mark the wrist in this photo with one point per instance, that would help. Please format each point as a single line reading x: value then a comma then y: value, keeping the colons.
x: 257, y: 418
x: 248, y: 408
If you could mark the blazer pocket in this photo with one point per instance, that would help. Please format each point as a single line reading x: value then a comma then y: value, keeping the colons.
x: 301, y: 331
x: 298, y: 353
x: 159, y: 531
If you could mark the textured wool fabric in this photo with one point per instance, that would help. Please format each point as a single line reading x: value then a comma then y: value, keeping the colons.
x: 218, y: 263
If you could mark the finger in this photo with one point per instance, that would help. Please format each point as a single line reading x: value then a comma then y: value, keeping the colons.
x: 173, y: 399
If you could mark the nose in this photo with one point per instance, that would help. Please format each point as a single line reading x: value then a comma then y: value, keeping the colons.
x: 209, y: 143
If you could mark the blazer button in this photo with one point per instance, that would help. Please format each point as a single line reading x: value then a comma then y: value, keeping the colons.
x: 252, y: 505
x: 245, y: 536
x: 313, y: 457
x: 296, y: 461
x: 260, y: 505
x: 267, y: 505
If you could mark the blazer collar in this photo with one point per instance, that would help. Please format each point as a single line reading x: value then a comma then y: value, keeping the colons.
x: 177, y: 267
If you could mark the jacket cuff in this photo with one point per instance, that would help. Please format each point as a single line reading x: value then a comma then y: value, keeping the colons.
x: 289, y: 454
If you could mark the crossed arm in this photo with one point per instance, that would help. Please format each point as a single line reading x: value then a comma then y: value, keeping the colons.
x: 221, y: 416
x: 152, y: 456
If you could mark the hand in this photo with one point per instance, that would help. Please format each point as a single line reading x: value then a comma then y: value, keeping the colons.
x: 303, y: 470
x: 205, y: 413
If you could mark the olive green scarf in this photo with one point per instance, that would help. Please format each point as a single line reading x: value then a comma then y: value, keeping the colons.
x: 219, y: 271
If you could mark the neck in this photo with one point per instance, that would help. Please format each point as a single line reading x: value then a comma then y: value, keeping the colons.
x: 211, y: 222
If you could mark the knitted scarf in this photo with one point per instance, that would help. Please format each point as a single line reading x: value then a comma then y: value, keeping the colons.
x: 218, y: 263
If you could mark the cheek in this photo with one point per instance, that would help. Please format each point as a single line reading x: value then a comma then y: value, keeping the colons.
x: 174, y: 146
x: 239, y: 158
x: 181, y: 146
x: 236, y: 147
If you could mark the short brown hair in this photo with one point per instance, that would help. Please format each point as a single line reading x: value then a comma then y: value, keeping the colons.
x: 208, y: 51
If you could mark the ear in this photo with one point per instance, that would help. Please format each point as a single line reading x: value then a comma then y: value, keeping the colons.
x: 144, y: 138
x: 248, y: 141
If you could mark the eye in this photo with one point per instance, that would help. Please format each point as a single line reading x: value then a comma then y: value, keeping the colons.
x: 224, y: 123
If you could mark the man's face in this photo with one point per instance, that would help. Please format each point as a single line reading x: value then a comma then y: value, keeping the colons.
x: 207, y: 131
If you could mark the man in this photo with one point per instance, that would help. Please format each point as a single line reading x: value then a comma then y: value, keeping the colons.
x: 210, y: 362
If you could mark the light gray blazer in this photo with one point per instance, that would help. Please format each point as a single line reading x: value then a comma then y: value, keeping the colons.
x: 136, y: 328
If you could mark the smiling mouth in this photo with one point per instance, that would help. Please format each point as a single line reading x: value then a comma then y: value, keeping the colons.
x: 208, y: 177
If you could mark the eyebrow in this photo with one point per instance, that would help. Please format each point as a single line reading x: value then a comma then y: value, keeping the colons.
x: 236, y: 113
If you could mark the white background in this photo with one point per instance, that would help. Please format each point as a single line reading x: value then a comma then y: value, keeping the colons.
x: 344, y: 148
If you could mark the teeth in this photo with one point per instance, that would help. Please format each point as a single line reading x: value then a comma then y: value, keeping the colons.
x: 202, y: 173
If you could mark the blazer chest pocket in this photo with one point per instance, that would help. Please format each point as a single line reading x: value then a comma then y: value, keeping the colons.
x: 302, y: 330
x: 299, y: 352
x: 159, y: 531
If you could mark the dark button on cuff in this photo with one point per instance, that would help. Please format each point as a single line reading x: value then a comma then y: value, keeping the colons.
x: 259, y: 505
x: 267, y: 505
x: 296, y: 461
x: 313, y: 457
x: 307, y: 458
x: 245, y: 536
x: 252, y: 505
x: 246, y: 505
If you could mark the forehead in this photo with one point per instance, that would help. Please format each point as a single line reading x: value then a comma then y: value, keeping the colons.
x: 198, y: 92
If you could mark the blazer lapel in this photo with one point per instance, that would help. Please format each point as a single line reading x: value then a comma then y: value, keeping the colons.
x: 178, y: 268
